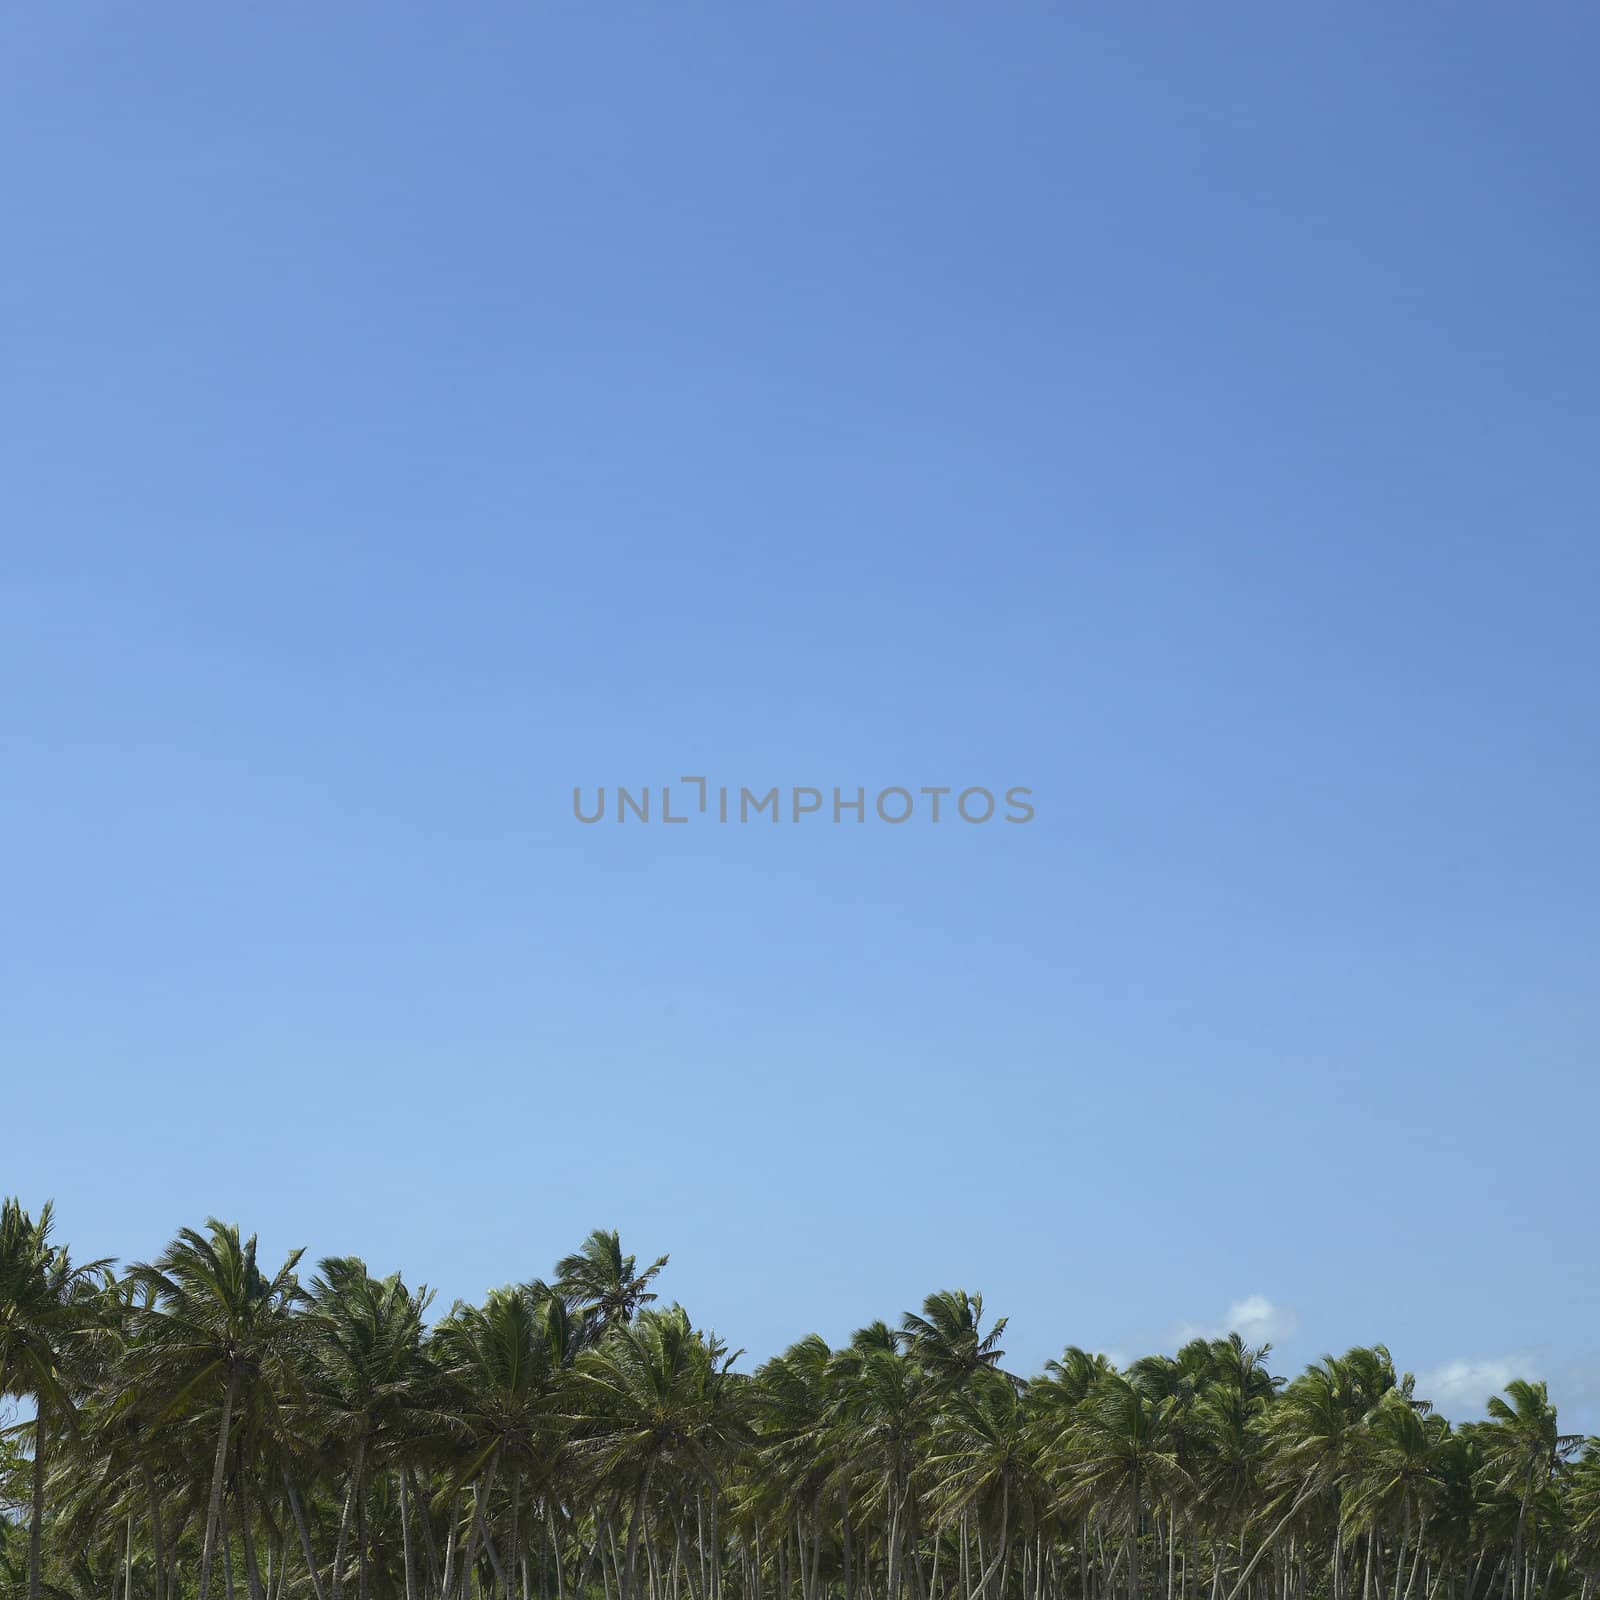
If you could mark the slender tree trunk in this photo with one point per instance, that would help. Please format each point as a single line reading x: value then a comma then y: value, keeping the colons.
x: 894, y: 1578
x: 225, y: 1537
x: 447, y: 1581
x: 346, y: 1516
x: 1422, y: 1540
x: 716, y: 1544
x: 616, y: 1559
x: 1514, y: 1566
x: 483, y: 1535
x: 298, y: 1511
x: 430, y: 1546
x: 361, y: 1537
x: 816, y: 1552
x: 680, y: 1558
x: 252, y: 1571
x: 36, y: 1519
x: 158, y: 1548
x: 1271, y: 1539
x: 406, y: 1553
x: 700, y: 1542
x: 555, y: 1549
x: 208, y: 1550
x: 844, y: 1527
x: 602, y: 1533
x: 1000, y: 1553
x: 635, y: 1527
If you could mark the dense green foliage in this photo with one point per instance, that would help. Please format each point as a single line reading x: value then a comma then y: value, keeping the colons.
x: 198, y: 1427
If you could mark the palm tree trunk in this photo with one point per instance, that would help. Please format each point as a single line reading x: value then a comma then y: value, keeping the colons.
x: 555, y: 1549
x: 225, y: 1537
x: 252, y: 1571
x: 430, y: 1546
x: 341, y: 1544
x: 158, y: 1551
x: 844, y: 1516
x: 716, y: 1546
x: 208, y: 1550
x: 693, y: 1573
x: 361, y: 1537
x: 298, y: 1511
x: 816, y: 1551
x: 1271, y: 1539
x: 513, y: 1545
x: 635, y: 1528
x: 36, y: 1519
x: 490, y: 1548
x: 1514, y: 1566
x: 406, y: 1552
x: 1000, y: 1552
x: 1422, y: 1539
x: 596, y: 1550
x: 892, y: 1575
x: 447, y: 1581
x: 477, y: 1530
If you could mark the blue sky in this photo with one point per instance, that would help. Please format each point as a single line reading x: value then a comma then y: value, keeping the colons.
x: 410, y: 414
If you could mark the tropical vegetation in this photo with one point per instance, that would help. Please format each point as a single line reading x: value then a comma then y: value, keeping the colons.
x: 205, y: 1426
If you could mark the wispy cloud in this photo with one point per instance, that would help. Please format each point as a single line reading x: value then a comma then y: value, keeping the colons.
x: 1465, y: 1385
x: 1255, y: 1318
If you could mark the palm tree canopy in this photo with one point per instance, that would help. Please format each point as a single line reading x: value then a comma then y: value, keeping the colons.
x: 229, y: 1433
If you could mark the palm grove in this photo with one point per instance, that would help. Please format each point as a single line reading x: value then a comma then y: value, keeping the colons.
x: 200, y: 1427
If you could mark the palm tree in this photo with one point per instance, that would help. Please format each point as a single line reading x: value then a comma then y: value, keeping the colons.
x: 885, y: 1409
x: 1584, y: 1505
x: 497, y: 1362
x: 206, y: 1429
x: 365, y: 1375
x: 44, y: 1311
x: 948, y: 1341
x: 792, y: 1403
x: 985, y: 1461
x: 1223, y: 1443
x: 1524, y: 1450
x: 599, y: 1280
x: 655, y: 1397
x: 214, y: 1331
x: 1317, y: 1433
x: 1123, y: 1449
x: 1398, y: 1482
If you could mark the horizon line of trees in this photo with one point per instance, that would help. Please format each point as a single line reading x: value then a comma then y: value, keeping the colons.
x: 204, y: 1428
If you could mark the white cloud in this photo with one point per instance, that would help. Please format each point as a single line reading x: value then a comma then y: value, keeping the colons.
x: 1256, y: 1319
x: 1259, y: 1321
x: 1465, y: 1386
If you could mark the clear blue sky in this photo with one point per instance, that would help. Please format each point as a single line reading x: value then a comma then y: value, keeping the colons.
x: 411, y: 412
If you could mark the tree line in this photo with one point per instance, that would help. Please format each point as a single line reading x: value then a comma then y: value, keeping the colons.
x: 200, y: 1427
